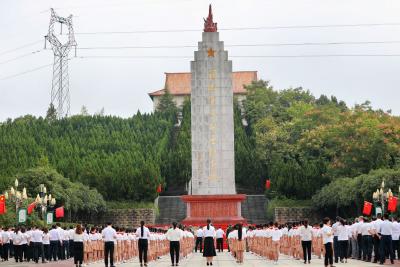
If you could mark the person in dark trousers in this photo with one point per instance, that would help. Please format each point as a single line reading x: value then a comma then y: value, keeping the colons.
x: 199, y: 240
x: 386, y: 230
x: 46, y: 244
x: 336, y: 248
x: 174, y: 235
x: 5, y: 238
x: 143, y: 234
x: 327, y: 238
x: 220, y: 239
x: 395, y: 238
x: 54, y: 242
x: 37, y: 240
x: 306, y: 240
x: 359, y: 237
x: 376, y: 222
x: 343, y: 239
x: 78, y: 238
x: 367, y: 230
x: 109, y: 236
x: 71, y: 241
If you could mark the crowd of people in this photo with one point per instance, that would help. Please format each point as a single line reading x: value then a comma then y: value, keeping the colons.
x: 88, y: 245
x: 369, y: 240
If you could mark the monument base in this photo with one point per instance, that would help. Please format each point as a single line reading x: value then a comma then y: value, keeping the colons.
x: 221, y: 209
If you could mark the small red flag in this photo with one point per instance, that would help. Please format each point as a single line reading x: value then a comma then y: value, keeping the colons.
x: 367, y: 208
x: 31, y: 207
x: 159, y: 188
x: 60, y: 212
x: 3, y: 204
x: 268, y: 184
x: 392, y: 204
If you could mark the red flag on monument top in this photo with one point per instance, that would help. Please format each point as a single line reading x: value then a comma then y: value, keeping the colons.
x: 3, y: 204
x: 60, y: 212
x: 392, y: 204
x: 268, y: 184
x: 367, y: 208
x: 31, y: 207
x: 159, y: 188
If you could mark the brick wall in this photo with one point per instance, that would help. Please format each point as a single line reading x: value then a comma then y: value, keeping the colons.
x: 127, y: 218
x: 295, y: 214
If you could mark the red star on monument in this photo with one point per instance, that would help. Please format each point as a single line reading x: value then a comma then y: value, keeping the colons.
x: 210, y: 52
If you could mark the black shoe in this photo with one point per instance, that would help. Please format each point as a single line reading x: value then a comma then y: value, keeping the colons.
x: 208, y: 264
x: 211, y: 263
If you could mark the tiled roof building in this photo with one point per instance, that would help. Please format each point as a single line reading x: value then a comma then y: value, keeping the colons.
x: 179, y: 85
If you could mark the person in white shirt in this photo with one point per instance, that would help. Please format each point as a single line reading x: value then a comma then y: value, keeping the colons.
x: 376, y: 224
x: 5, y: 240
x: 143, y: 234
x: 306, y: 235
x: 37, y: 240
x: 55, y: 242
x: 220, y: 239
x: 327, y: 239
x: 367, y: 230
x: 110, y: 236
x: 174, y: 235
x: 199, y: 240
x: 78, y: 239
x: 71, y: 232
x: 209, y: 248
x: 46, y: 244
x: 395, y: 238
x: 343, y: 239
x: 386, y: 231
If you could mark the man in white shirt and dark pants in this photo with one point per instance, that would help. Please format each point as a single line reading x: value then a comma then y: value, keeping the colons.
x: 109, y: 236
x: 37, y: 240
x: 220, y: 239
x: 55, y: 240
x: 386, y: 230
x: 199, y: 240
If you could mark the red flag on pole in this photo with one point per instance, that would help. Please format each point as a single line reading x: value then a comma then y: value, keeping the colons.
x: 268, y: 184
x: 159, y: 188
x: 31, y: 207
x: 367, y: 208
x: 3, y: 204
x: 60, y: 212
x: 392, y: 204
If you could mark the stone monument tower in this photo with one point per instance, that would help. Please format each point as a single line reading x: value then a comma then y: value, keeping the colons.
x: 212, y: 192
x: 213, y: 163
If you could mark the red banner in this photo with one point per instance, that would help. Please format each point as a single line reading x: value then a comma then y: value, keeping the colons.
x: 268, y: 184
x: 3, y: 209
x: 392, y: 204
x: 60, y: 212
x: 367, y: 208
x: 31, y: 207
x: 159, y: 188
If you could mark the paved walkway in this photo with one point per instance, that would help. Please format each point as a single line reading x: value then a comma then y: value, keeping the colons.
x: 222, y: 260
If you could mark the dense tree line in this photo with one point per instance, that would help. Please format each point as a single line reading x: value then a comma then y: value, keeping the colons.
x: 300, y: 142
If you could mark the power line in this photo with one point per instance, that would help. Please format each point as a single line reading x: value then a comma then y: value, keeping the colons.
x: 249, y: 56
x: 247, y: 28
x: 25, y: 72
x: 238, y: 45
x: 20, y: 47
x: 21, y: 56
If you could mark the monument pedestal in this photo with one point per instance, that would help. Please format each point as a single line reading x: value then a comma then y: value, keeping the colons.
x: 221, y: 209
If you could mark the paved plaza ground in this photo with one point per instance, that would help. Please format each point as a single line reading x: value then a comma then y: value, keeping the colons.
x: 222, y: 260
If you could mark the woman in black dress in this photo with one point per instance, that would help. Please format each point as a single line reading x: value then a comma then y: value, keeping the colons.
x: 209, y: 248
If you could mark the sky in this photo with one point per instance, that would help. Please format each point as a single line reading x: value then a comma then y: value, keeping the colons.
x: 120, y: 84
